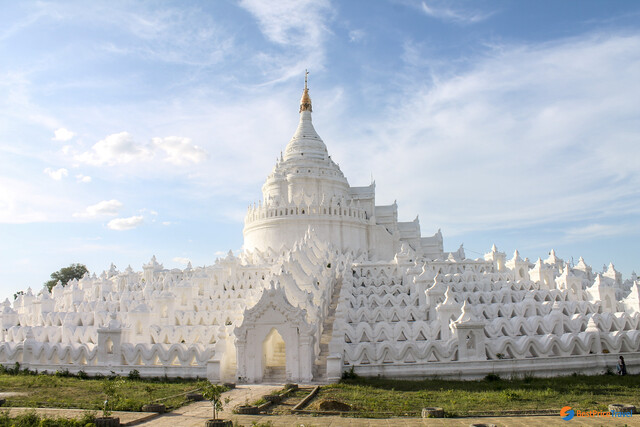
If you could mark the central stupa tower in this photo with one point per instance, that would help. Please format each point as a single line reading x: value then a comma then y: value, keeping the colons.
x: 307, y: 189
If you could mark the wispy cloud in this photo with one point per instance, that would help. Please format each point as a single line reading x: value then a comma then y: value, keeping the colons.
x: 299, y: 27
x: 129, y: 223
x: 460, y: 16
x: 291, y: 22
x: 356, y: 36
x: 121, y: 148
x: 591, y: 231
x: 181, y: 260
x: 83, y: 178
x: 114, y: 149
x: 180, y: 150
x: 103, y: 208
x: 56, y: 174
x: 527, y: 135
x: 63, y: 134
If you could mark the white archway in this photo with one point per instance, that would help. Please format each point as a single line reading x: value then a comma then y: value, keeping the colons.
x: 268, y: 326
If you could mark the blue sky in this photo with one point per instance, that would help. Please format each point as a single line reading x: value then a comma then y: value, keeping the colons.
x: 129, y: 129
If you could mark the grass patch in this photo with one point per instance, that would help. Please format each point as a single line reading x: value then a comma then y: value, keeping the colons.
x: 67, y: 391
x: 404, y: 397
x: 33, y: 419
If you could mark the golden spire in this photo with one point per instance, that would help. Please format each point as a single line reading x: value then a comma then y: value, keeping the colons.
x: 305, y: 102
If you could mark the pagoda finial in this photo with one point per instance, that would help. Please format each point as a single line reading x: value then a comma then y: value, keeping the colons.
x: 305, y: 102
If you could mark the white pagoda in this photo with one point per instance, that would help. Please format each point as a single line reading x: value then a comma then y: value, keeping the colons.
x: 327, y: 282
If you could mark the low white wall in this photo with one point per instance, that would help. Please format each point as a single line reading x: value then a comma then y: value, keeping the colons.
x: 466, y: 370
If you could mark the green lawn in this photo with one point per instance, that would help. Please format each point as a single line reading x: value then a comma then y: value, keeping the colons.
x: 398, y: 397
x: 72, y: 392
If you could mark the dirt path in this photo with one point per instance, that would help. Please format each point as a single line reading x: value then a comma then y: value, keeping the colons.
x: 196, y: 413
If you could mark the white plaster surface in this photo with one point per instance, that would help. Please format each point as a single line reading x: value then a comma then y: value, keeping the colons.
x: 345, y: 284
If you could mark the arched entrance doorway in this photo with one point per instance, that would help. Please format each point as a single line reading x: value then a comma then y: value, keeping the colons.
x: 274, y: 340
x: 274, y: 357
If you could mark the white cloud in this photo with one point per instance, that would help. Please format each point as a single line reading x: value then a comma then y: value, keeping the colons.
x: 56, y: 174
x: 179, y: 150
x: 83, y: 178
x: 300, y: 27
x: 121, y: 148
x: 356, y: 35
x: 524, y: 136
x: 454, y: 15
x: 63, y: 134
x: 125, y: 223
x: 182, y: 260
x: 598, y: 230
x: 114, y: 149
x: 180, y: 35
x: 166, y: 223
x: 290, y: 22
x: 105, y: 207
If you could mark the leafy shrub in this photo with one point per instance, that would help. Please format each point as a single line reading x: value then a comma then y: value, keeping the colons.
x: 511, y: 394
x: 32, y: 419
x: 82, y: 375
x: 15, y: 370
x: 28, y: 419
x: 64, y: 373
x: 349, y: 375
x: 4, y: 419
x: 134, y: 375
x: 492, y: 377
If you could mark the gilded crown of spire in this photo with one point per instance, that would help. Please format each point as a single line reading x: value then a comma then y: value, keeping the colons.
x: 305, y: 102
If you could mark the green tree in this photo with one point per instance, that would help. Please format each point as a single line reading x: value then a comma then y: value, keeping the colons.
x: 213, y: 393
x: 74, y: 271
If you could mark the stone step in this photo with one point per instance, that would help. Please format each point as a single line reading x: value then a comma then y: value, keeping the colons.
x: 320, y: 365
x: 274, y: 374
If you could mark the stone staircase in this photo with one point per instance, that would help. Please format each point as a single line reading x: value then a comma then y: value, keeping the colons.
x: 320, y: 365
x: 275, y: 371
x: 279, y: 357
x: 274, y: 374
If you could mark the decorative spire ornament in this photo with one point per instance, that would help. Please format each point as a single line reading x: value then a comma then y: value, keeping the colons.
x: 305, y: 102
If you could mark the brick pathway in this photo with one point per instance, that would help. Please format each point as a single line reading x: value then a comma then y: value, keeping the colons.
x: 196, y: 413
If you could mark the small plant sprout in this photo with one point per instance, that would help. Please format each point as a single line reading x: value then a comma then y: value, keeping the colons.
x: 111, y: 388
x: 105, y: 409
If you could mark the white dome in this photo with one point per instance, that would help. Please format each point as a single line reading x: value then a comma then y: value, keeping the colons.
x: 305, y: 143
